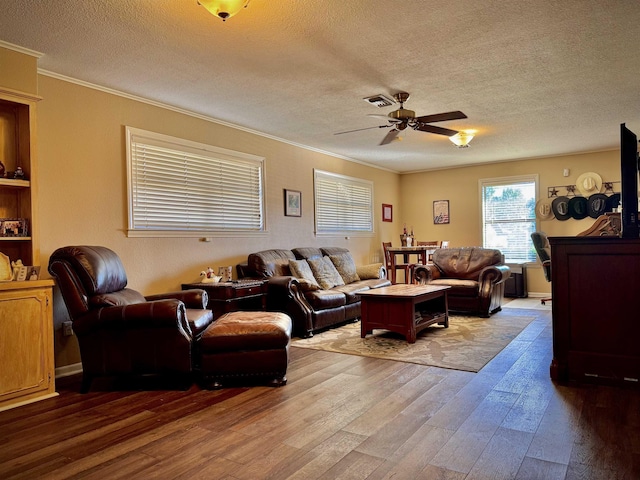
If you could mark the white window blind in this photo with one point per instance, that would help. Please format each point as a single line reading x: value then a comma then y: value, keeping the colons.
x: 508, y: 216
x: 183, y: 188
x: 342, y: 204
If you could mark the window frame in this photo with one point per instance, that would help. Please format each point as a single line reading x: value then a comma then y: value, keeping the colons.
x: 503, y: 181
x: 198, y: 151
x: 349, y: 182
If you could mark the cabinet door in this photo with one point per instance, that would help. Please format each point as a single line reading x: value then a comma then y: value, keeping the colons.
x: 26, y: 344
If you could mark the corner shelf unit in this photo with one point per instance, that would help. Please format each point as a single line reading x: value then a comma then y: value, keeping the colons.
x: 18, y: 196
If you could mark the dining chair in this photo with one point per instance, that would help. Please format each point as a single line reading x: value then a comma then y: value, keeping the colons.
x: 430, y: 243
x: 392, y: 267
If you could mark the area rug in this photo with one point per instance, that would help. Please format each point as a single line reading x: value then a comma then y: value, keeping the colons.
x: 468, y: 344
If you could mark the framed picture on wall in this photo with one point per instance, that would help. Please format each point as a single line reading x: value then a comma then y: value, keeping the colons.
x: 440, y: 212
x: 387, y: 212
x: 292, y: 203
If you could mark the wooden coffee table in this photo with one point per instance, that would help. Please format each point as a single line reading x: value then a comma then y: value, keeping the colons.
x: 404, y: 309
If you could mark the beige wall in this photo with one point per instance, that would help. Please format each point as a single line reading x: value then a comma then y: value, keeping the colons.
x: 83, y: 198
x: 460, y: 187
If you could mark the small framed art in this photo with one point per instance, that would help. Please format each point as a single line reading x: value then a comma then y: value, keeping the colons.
x: 440, y: 212
x: 292, y: 203
x: 387, y: 213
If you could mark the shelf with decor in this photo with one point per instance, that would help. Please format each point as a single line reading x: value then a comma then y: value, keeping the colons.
x: 18, y: 227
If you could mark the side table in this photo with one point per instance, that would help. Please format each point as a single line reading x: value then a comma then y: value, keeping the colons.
x: 225, y: 297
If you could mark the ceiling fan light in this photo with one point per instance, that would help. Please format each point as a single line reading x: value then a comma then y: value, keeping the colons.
x: 462, y: 139
x: 224, y: 8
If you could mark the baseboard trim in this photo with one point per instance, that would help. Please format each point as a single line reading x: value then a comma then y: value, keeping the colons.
x: 68, y: 370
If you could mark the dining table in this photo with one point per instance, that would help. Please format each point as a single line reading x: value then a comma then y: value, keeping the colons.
x: 421, y: 253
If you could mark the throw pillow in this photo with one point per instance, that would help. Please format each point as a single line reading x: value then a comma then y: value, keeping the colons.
x: 300, y: 269
x: 325, y: 273
x: 346, y: 267
x: 366, y: 272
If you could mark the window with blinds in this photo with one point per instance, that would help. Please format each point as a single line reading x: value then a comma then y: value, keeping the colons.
x: 342, y: 204
x: 508, y: 216
x: 182, y: 188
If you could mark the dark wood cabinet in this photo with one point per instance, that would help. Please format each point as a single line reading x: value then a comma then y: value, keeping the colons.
x: 225, y: 297
x: 596, y: 292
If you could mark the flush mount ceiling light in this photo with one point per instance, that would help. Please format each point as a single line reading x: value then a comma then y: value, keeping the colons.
x: 224, y: 8
x: 462, y: 139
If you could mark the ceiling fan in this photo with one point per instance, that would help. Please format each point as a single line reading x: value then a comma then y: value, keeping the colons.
x: 402, y: 118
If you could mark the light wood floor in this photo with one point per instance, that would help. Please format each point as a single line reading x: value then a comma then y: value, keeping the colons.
x: 340, y: 416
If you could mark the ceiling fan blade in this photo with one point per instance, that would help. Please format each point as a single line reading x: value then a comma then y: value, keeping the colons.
x: 365, y: 128
x: 384, y: 117
x: 441, y: 117
x: 390, y: 137
x: 433, y: 129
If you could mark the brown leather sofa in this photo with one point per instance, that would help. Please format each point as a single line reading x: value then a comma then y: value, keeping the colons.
x: 310, y: 310
x: 476, y: 277
x: 121, y: 332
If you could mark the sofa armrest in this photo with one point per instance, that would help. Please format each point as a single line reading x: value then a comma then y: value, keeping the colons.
x: 426, y: 273
x: 285, y: 295
x: 194, y: 298
x: 169, y: 314
x: 494, y: 274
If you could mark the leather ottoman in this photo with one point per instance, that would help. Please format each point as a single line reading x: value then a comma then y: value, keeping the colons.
x: 247, y: 348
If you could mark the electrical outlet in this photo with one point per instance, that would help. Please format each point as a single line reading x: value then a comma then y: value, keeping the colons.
x: 67, y: 329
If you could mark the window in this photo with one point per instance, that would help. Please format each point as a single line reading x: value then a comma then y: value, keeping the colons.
x: 508, y: 216
x: 343, y: 204
x: 182, y: 188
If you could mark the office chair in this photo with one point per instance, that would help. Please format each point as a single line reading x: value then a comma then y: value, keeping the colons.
x: 543, y: 250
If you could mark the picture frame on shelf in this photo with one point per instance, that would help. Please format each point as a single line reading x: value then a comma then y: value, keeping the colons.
x: 387, y: 212
x: 33, y: 273
x: 292, y: 203
x: 440, y: 212
x: 14, y: 227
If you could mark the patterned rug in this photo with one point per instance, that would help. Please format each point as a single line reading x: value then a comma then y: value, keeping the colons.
x: 468, y: 344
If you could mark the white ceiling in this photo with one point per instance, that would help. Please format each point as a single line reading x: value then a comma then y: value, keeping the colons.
x: 535, y: 78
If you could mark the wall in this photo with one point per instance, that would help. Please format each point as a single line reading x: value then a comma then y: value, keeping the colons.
x: 460, y: 187
x: 83, y: 198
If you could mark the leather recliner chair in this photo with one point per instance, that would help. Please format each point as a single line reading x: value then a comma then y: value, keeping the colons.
x: 476, y: 277
x: 121, y: 332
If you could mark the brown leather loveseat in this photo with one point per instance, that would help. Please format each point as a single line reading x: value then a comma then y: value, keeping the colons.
x: 476, y: 277
x: 311, y: 308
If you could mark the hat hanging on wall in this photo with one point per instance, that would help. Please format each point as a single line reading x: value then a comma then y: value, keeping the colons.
x: 589, y: 183
x: 543, y: 209
x: 560, y: 208
x: 578, y: 208
x: 613, y: 202
x: 598, y: 205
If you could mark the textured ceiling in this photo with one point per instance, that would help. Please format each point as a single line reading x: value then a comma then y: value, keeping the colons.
x: 535, y: 78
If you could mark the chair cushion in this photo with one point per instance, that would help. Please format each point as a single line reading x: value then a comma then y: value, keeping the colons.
x: 459, y: 287
x: 116, y: 299
x: 346, y: 267
x: 323, y: 299
x: 199, y: 320
x: 325, y: 273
